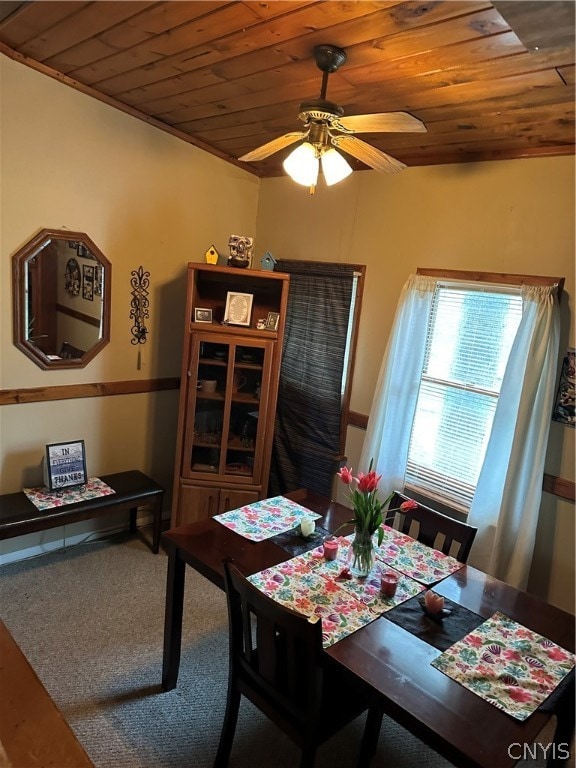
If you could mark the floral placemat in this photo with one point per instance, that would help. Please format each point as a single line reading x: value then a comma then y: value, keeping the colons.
x: 367, y: 589
x: 43, y: 499
x: 264, y: 519
x: 312, y: 585
x: 295, y: 585
x: 507, y: 664
x: 415, y: 559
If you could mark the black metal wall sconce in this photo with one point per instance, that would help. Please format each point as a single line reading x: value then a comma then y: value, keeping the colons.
x: 140, y: 282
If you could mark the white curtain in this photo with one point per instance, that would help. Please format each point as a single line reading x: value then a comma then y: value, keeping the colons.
x: 507, y: 500
x: 392, y: 413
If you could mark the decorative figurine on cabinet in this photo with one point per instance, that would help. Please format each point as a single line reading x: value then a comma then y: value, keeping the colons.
x: 268, y: 261
x: 211, y: 255
x: 241, y: 249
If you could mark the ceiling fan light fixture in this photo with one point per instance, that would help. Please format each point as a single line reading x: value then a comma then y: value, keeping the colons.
x: 334, y: 167
x: 302, y: 165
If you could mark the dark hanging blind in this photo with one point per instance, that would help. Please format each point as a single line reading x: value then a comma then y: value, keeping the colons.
x: 307, y: 431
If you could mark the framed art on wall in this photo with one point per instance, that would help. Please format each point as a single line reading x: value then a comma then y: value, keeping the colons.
x: 564, y: 407
x: 88, y: 282
x: 65, y: 465
x: 238, y: 308
x: 72, y: 277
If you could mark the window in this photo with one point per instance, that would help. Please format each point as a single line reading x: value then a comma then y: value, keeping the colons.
x: 470, y: 332
x: 461, y: 413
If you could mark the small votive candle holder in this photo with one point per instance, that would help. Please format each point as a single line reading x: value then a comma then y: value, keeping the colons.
x: 434, y: 603
x: 307, y: 526
x: 389, y: 583
x: 330, y: 548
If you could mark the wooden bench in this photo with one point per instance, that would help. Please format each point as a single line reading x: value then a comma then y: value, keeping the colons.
x: 19, y: 516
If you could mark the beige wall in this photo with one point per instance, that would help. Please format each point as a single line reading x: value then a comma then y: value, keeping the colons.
x: 146, y: 198
x: 507, y: 216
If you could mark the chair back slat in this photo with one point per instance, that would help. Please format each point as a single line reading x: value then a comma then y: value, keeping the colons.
x: 277, y: 662
x: 431, y: 525
x: 273, y: 649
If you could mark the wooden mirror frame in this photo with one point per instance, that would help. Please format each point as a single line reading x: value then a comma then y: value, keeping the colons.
x: 20, y: 261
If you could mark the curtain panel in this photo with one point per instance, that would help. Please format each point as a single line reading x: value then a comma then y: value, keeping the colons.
x: 307, y: 430
x: 392, y: 413
x: 506, y: 504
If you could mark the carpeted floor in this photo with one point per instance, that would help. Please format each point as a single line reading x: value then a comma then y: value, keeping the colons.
x: 90, y: 621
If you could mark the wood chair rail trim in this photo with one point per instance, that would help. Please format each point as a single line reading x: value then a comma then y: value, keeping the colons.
x: 558, y: 486
x: 74, y: 391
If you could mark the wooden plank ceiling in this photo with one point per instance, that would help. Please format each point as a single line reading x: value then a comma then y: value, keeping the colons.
x: 490, y: 80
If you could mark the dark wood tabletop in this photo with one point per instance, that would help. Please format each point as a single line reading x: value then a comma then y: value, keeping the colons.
x: 33, y: 731
x: 465, y: 729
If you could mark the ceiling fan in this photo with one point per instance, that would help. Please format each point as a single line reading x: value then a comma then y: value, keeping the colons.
x: 326, y: 128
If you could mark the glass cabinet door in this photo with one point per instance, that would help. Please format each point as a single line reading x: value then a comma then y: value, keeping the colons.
x: 228, y: 385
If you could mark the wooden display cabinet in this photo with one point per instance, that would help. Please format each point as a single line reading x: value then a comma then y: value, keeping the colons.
x: 229, y: 388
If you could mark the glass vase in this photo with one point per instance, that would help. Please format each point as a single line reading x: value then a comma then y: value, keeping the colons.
x: 361, y: 554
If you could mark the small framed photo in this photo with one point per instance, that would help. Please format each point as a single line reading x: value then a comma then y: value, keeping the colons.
x: 238, y: 308
x: 98, y: 280
x: 272, y: 321
x: 65, y: 465
x: 88, y: 282
x: 202, y: 315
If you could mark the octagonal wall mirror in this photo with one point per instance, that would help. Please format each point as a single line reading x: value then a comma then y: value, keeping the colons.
x: 61, y: 295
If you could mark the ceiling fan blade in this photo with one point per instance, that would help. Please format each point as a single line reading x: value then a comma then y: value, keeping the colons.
x: 383, y: 121
x: 273, y: 146
x: 367, y: 154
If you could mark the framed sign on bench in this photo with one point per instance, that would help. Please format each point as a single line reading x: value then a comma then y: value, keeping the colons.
x: 65, y: 465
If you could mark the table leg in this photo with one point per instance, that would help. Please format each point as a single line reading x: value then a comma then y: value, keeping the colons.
x: 157, y: 526
x: 564, y: 733
x: 173, y: 619
x: 133, y: 514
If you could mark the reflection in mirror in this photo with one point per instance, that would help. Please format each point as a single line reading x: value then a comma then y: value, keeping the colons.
x: 61, y: 295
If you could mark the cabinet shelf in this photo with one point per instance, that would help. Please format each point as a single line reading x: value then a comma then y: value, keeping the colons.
x: 236, y: 329
x: 237, y: 445
x: 244, y: 471
x: 213, y: 361
x: 238, y: 397
x: 248, y: 366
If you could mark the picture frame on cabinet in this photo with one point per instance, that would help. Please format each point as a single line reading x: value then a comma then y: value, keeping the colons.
x: 202, y: 315
x: 272, y: 321
x: 65, y: 465
x: 238, y: 309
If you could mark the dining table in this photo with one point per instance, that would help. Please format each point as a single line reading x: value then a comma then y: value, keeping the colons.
x: 397, y: 659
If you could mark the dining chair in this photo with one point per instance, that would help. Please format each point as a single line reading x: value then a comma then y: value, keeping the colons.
x: 434, y: 529
x: 276, y: 661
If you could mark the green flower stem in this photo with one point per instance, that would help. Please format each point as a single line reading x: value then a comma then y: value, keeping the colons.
x: 362, y: 553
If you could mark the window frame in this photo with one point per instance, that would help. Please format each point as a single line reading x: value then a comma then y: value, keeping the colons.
x: 487, y: 278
